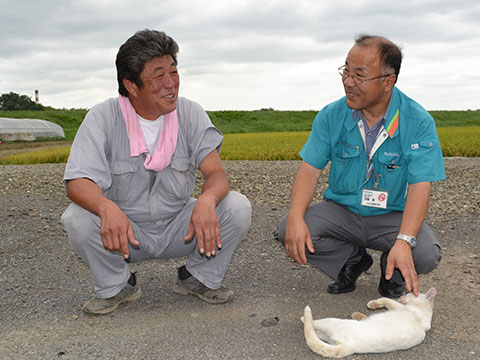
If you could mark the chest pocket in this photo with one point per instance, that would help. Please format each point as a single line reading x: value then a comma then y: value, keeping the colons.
x: 393, y: 171
x: 178, y: 179
x: 123, y: 180
x: 346, y: 170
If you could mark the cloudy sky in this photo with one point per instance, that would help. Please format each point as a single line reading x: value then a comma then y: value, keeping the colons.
x: 240, y: 54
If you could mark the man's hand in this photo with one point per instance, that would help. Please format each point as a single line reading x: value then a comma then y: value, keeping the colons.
x: 116, y: 230
x: 297, y: 236
x: 400, y: 257
x: 204, y: 221
x: 204, y: 226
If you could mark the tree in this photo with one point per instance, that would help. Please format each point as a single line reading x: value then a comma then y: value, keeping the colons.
x: 13, y: 101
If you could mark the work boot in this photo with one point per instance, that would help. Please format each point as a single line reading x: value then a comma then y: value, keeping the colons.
x: 192, y: 286
x: 98, y: 306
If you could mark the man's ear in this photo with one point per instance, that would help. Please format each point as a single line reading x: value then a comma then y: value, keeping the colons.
x: 390, y: 82
x: 130, y: 86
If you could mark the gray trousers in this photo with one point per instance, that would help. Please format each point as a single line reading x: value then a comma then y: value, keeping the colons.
x: 340, y: 236
x: 109, y: 270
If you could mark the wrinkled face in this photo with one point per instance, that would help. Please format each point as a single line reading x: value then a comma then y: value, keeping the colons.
x: 159, y: 92
x: 364, y: 62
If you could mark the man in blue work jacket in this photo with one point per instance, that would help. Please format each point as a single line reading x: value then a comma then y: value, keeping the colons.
x: 384, y: 153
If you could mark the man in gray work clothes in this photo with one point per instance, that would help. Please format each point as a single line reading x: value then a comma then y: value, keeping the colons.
x: 131, y: 174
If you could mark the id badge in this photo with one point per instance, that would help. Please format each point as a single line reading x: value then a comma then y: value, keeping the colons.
x: 374, y: 198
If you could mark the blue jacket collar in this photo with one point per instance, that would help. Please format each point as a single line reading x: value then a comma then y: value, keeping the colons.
x: 392, y: 116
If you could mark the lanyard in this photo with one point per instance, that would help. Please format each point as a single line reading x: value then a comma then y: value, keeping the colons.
x: 381, y: 137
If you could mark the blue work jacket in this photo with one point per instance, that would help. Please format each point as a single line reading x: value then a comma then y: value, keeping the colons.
x: 407, y: 151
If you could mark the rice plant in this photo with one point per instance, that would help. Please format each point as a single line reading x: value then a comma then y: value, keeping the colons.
x: 455, y: 141
x: 44, y: 156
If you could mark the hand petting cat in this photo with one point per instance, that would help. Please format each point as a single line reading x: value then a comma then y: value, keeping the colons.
x: 402, y: 326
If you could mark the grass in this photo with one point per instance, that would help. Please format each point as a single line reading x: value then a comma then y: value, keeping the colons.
x: 455, y: 141
x: 234, y: 122
x: 45, y: 156
x: 265, y: 134
x: 460, y: 141
x: 260, y: 121
x: 69, y: 120
x: 263, y: 146
x: 456, y: 118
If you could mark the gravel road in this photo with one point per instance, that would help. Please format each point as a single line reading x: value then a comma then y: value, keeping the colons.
x: 43, y: 284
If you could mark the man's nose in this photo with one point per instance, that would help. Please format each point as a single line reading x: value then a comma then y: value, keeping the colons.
x: 168, y: 81
x: 348, y: 81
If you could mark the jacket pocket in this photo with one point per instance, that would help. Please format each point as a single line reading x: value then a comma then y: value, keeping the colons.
x: 346, y: 169
x: 178, y: 179
x: 393, y: 171
x: 123, y: 179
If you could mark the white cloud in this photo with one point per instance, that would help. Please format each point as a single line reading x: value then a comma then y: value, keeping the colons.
x: 239, y: 55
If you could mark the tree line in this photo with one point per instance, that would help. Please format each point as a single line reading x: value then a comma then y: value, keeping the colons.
x: 13, y: 101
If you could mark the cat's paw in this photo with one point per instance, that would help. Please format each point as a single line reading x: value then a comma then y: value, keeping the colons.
x: 358, y: 316
x: 374, y: 304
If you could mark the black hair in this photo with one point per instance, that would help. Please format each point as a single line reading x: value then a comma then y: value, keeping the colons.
x: 390, y: 53
x: 142, y: 47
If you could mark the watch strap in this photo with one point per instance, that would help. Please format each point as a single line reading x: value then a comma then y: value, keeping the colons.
x: 409, y: 239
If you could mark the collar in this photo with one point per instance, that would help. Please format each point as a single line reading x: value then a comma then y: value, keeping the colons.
x: 391, y: 117
x: 393, y: 114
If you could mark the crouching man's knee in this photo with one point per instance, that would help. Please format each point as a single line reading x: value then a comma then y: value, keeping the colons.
x: 429, y: 260
x: 82, y: 227
x: 235, y: 211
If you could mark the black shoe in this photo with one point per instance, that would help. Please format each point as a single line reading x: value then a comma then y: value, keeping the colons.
x: 389, y: 288
x: 349, y: 274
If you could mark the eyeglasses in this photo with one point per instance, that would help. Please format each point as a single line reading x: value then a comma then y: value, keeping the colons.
x: 358, y: 80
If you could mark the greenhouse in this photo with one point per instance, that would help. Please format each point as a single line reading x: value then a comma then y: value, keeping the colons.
x: 28, y: 129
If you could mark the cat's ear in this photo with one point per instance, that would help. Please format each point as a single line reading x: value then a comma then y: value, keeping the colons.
x: 430, y: 294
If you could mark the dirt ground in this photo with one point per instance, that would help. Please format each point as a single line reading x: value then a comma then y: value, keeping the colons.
x: 44, y: 284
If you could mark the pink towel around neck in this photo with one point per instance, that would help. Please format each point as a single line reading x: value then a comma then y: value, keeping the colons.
x: 166, y: 144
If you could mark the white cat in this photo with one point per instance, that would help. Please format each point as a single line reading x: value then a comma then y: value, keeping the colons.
x: 401, y: 327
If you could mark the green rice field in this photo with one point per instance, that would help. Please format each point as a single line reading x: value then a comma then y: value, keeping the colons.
x: 249, y: 135
x: 455, y: 141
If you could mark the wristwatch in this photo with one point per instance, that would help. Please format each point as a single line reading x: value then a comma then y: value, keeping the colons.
x: 410, y: 240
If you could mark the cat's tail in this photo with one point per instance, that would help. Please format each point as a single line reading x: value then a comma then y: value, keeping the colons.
x: 315, y: 343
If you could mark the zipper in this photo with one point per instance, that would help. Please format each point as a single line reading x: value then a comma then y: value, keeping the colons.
x: 356, y: 147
